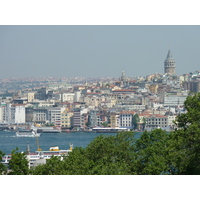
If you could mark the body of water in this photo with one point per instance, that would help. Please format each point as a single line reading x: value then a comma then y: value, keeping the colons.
x: 8, y: 140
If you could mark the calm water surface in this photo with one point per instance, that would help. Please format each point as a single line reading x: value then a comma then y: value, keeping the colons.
x: 8, y: 140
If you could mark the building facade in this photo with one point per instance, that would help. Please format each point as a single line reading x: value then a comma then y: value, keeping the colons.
x: 174, y: 100
x: 156, y: 121
x: 15, y: 113
x: 126, y: 119
x: 66, y: 120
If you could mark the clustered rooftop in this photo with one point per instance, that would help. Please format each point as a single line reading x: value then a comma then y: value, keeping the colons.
x: 79, y: 104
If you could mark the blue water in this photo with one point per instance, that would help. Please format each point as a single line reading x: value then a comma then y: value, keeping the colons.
x: 8, y: 140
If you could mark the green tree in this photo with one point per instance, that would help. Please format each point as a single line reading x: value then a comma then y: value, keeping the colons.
x: 144, y: 122
x: 77, y: 163
x: 74, y: 164
x: 135, y: 121
x: 2, y: 166
x: 104, y: 124
x: 53, y: 166
x: 18, y: 163
x: 104, y: 155
x: 185, y: 140
x: 88, y: 124
x: 112, y: 154
x: 152, y: 153
x: 49, y: 125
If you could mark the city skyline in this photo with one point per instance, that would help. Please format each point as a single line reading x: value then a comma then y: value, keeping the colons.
x: 96, y: 51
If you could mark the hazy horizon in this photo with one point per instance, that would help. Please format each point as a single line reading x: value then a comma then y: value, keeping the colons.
x: 96, y: 50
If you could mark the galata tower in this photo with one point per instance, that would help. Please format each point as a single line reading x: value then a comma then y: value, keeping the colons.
x: 169, y: 64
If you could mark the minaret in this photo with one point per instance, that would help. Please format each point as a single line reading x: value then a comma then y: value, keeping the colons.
x: 169, y: 64
x: 123, y: 77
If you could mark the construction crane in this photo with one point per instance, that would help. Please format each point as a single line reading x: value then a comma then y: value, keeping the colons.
x: 37, y: 143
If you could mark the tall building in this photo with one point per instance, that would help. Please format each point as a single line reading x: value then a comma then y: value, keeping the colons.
x: 169, y: 64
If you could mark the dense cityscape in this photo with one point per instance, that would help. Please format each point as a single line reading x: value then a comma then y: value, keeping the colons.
x: 87, y: 96
x: 78, y: 103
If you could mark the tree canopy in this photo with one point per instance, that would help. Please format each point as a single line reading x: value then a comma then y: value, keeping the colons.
x: 185, y: 140
x: 2, y: 166
x: 18, y: 163
x: 135, y: 121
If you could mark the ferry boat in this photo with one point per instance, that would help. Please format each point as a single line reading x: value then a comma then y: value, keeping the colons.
x: 39, y: 156
x: 48, y: 130
x: 27, y: 133
x: 109, y: 129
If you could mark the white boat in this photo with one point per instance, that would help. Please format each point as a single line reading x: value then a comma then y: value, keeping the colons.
x: 27, y: 133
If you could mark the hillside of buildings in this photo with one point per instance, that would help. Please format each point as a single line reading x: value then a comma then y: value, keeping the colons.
x: 139, y: 103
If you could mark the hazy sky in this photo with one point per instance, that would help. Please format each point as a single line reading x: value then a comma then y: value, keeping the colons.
x: 96, y: 51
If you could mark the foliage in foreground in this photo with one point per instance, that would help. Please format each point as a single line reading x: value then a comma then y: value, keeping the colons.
x: 185, y: 141
x: 18, y: 163
x: 114, y: 155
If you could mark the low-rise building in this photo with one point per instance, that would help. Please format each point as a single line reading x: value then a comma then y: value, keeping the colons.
x: 69, y: 97
x: 174, y: 100
x: 126, y: 119
x: 115, y: 120
x: 156, y: 121
x: 31, y: 96
x: 54, y: 115
x: 66, y: 119
x: 79, y: 118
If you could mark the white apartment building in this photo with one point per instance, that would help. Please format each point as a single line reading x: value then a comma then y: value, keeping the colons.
x: 126, y: 119
x: 77, y: 95
x: 2, y: 114
x: 171, y: 119
x: 174, y: 100
x: 69, y: 97
x: 15, y: 113
x: 54, y: 115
